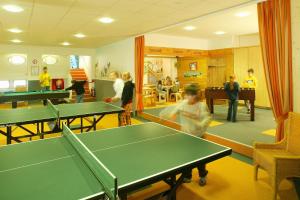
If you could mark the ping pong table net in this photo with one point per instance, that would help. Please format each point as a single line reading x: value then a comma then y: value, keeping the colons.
x: 52, y: 108
x: 100, y: 171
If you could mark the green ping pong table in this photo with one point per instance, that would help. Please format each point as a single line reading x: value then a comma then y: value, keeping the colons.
x: 14, y: 97
x: 103, y: 164
x: 38, y: 116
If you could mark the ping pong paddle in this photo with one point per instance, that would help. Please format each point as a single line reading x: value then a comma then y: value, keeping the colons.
x: 108, y: 100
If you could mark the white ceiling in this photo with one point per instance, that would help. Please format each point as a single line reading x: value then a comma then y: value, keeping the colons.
x: 226, y: 21
x: 51, y: 22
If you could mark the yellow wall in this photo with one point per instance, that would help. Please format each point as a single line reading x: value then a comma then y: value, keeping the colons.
x: 250, y: 57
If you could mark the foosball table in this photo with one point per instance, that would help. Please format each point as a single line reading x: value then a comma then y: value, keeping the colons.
x: 213, y: 93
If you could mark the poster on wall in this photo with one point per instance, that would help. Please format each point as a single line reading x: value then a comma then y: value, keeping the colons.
x: 193, y: 74
x: 193, y: 66
x: 34, y: 68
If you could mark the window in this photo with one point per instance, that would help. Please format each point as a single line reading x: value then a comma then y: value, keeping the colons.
x: 74, y: 61
x: 19, y: 83
x: 4, y: 84
x: 17, y: 59
x: 49, y: 59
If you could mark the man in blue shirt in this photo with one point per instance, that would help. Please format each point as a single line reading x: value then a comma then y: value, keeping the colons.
x: 232, y: 89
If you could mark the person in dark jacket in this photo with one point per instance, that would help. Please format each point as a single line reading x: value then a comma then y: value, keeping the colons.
x: 127, y: 96
x: 232, y: 89
x: 78, y: 87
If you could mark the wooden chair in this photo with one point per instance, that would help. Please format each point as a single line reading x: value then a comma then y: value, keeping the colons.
x: 281, y: 160
x: 176, y: 96
x: 162, y: 97
x: 148, y: 96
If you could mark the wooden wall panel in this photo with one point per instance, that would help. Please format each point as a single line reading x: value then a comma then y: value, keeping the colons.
x: 165, y: 51
x: 250, y: 57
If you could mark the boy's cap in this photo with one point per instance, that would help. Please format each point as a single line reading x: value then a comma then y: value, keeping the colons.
x: 192, y: 89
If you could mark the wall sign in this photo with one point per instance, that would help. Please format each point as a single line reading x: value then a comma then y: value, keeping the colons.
x: 193, y: 74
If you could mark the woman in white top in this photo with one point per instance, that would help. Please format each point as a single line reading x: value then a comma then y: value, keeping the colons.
x: 118, y: 87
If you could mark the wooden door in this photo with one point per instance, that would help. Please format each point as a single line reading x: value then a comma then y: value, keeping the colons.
x: 216, y: 76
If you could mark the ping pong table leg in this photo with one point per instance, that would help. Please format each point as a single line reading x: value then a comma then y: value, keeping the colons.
x: 42, y: 130
x: 174, y: 184
x: 8, y: 136
x: 14, y: 104
x: 94, y: 122
x: 123, y: 196
x: 252, y: 115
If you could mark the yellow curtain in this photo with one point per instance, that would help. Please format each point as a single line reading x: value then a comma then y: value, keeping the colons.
x: 139, y: 71
x: 274, y: 18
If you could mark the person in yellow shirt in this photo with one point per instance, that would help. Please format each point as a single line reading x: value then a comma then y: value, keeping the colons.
x: 45, y: 79
x: 250, y: 82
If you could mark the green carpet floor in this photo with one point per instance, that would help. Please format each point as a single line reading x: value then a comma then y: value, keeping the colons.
x: 243, y: 131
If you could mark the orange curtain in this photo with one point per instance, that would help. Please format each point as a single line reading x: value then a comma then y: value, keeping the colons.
x: 139, y: 71
x: 274, y: 18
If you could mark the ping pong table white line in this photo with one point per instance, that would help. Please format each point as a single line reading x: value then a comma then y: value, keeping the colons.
x: 117, y: 146
x: 161, y: 118
x: 139, y: 180
x: 173, y: 168
x: 111, y: 104
x: 33, y: 164
x: 157, y: 174
x: 192, y: 135
x: 71, y: 155
x: 206, y: 139
x: 55, y: 137
x: 130, y: 143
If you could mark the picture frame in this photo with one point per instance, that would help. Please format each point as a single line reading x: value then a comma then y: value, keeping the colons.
x: 193, y: 66
x: 34, y: 70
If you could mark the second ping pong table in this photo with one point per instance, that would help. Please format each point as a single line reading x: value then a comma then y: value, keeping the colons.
x: 38, y: 116
x: 106, y: 163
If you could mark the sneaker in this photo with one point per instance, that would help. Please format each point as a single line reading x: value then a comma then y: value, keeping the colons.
x: 187, y: 180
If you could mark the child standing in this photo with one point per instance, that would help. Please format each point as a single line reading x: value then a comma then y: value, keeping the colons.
x: 194, y: 119
x: 127, y: 96
x: 232, y: 89
x: 250, y: 82
x: 78, y: 86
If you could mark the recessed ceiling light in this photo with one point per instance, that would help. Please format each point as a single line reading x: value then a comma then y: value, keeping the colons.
x: 219, y: 32
x: 80, y: 35
x: 106, y: 20
x: 66, y: 43
x: 16, y: 41
x: 189, y: 28
x: 242, y: 14
x: 15, y: 30
x: 12, y: 8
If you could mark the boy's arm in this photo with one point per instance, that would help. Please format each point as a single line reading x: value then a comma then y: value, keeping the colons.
x: 170, y: 112
x: 70, y: 88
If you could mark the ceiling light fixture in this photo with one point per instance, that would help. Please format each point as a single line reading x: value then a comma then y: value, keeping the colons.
x: 242, y: 14
x: 219, y: 32
x: 189, y: 28
x: 65, y: 43
x: 80, y: 35
x: 12, y: 8
x: 16, y: 41
x: 15, y: 30
x: 106, y: 20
